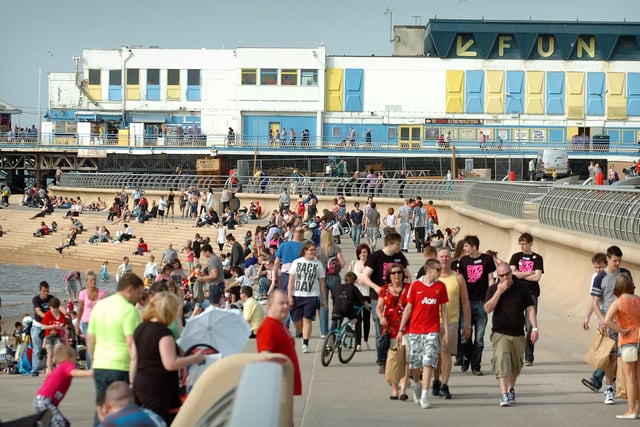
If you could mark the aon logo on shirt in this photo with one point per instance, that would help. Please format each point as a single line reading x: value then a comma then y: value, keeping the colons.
x: 429, y: 301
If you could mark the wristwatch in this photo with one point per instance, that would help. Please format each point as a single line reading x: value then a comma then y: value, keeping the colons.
x: 534, y: 329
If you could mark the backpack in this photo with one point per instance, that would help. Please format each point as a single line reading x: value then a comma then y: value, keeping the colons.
x: 333, y: 266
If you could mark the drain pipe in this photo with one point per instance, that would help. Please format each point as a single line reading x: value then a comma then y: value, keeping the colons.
x: 125, y: 53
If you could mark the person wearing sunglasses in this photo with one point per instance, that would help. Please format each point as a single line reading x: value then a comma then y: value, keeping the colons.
x: 509, y: 300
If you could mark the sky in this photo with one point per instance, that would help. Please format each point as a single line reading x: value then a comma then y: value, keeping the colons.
x: 43, y: 36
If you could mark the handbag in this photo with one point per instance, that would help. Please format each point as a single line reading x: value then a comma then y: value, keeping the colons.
x: 599, y: 350
x: 629, y: 353
x: 396, y: 361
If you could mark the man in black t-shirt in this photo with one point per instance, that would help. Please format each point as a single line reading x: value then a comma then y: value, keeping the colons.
x: 475, y: 268
x: 374, y: 274
x: 528, y: 266
x: 508, y: 300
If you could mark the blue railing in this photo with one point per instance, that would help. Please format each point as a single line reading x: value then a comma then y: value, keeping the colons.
x: 222, y: 144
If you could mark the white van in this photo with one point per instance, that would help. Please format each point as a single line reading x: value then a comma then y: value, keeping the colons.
x: 550, y: 161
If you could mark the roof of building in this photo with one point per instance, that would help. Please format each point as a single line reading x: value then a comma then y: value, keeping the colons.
x: 479, y: 39
x: 8, y: 108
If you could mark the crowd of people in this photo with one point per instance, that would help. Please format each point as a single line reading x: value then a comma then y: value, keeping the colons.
x: 296, y: 266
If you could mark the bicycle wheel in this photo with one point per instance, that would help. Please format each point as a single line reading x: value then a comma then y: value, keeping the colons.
x: 347, y: 347
x: 328, y: 348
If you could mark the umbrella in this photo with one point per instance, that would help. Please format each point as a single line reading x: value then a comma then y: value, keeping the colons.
x: 223, y: 329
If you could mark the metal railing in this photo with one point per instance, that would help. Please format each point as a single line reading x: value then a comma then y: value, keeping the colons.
x: 598, y: 211
x: 506, y: 198
x: 222, y: 143
x: 145, y: 181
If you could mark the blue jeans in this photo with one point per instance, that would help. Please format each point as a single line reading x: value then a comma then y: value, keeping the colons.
x: 84, y: 327
x: 332, y: 282
x: 103, y: 378
x: 597, y: 378
x: 528, y: 352
x: 37, y: 347
x: 356, y: 231
x: 381, y: 354
x: 473, y: 351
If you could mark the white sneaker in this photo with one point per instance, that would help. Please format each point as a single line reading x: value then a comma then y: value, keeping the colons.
x: 366, y: 346
x: 417, y: 392
x: 305, y: 348
x: 424, y: 402
x: 609, y: 396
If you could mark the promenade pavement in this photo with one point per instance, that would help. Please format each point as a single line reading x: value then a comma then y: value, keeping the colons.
x: 548, y: 393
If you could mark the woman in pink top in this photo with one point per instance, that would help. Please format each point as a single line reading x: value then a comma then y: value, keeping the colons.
x: 626, y: 312
x: 86, y: 301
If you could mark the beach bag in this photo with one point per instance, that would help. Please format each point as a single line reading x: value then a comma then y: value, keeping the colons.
x: 599, y: 350
x: 396, y: 361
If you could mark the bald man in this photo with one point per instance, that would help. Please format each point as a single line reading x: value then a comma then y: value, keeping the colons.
x: 119, y: 409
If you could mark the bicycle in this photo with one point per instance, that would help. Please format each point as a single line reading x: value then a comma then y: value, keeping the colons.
x: 343, y: 339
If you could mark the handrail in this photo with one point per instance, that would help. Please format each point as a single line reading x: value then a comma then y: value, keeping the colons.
x: 613, y: 213
x: 242, y: 144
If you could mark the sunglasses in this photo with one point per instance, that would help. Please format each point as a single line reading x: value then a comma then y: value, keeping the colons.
x: 504, y: 275
x: 396, y: 272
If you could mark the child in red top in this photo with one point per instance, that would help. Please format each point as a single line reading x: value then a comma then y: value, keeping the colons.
x: 56, y: 385
x: 426, y: 305
x: 53, y: 324
x: 191, y: 256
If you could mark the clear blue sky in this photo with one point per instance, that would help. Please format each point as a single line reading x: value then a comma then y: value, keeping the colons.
x: 44, y: 34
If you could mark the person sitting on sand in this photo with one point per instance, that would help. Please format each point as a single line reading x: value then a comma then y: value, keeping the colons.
x: 42, y: 231
x: 142, y: 247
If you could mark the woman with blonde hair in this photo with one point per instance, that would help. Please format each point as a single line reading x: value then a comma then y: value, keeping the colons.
x: 156, y: 380
x: 625, y: 310
x: 330, y: 255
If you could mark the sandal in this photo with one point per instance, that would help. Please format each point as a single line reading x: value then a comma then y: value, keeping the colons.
x: 403, y: 397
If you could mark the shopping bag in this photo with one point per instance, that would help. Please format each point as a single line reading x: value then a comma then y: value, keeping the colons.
x: 396, y: 361
x: 599, y: 350
x: 621, y: 383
